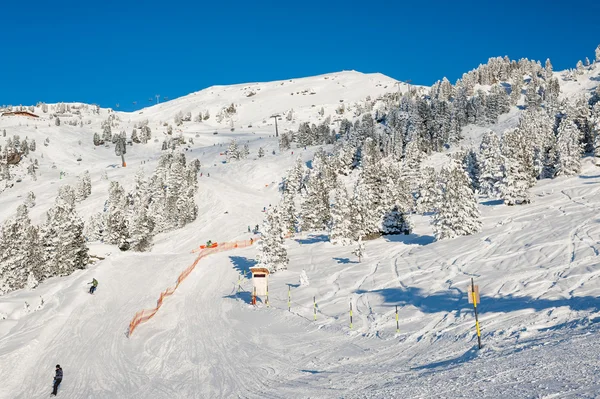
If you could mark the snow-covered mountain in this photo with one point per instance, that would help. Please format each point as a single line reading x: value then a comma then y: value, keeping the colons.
x: 256, y: 103
x: 536, y: 267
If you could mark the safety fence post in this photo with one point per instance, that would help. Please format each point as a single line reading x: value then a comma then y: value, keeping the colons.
x: 473, y: 296
x: 397, y: 325
x: 351, y: 315
x: 267, y: 300
x: 289, y: 299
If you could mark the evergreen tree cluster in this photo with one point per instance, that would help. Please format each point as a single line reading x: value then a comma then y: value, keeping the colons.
x: 162, y: 203
x: 235, y: 153
x: 30, y: 254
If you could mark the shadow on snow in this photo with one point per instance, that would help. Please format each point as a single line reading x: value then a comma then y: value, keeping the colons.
x: 242, y: 264
x: 493, y: 202
x: 456, y: 300
x: 344, y: 260
x: 313, y: 239
x: 413, y: 239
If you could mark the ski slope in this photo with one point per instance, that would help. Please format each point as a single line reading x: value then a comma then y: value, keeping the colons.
x: 536, y: 266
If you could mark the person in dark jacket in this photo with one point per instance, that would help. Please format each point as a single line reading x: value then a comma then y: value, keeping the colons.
x: 57, y: 378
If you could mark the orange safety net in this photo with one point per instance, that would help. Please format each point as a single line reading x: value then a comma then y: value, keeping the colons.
x: 146, y: 314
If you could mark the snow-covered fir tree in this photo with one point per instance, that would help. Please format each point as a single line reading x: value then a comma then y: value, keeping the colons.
x: 472, y: 166
x: 261, y: 152
x: 30, y: 200
x: 366, y: 213
x: 568, y: 148
x: 84, y: 186
x: 359, y: 251
x: 271, y: 249
x: 428, y: 190
x: 94, y: 228
x: 516, y: 176
x: 490, y: 170
x: 116, y: 225
x: 457, y: 212
x: 315, y: 213
x: 63, y: 241
x: 396, y: 222
x: 233, y: 151
x: 342, y: 228
x: 14, y: 267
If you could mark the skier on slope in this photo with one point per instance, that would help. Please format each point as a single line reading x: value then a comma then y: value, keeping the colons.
x: 57, y: 379
x: 94, y: 284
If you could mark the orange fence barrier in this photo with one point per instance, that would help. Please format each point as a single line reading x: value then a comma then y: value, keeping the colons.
x: 146, y: 314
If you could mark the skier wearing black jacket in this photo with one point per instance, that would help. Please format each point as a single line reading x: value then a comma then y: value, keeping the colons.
x: 57, y: 379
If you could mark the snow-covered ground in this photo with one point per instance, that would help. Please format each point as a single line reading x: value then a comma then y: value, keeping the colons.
x: 536, y: 267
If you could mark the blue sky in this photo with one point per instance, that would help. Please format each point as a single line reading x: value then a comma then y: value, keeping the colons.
x: 111, y: 52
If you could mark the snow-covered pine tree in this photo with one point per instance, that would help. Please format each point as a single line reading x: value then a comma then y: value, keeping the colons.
x: 294, y: 181
x: 456, y: 213
x: 31, y: 172
x: 233, y: 152
x: 471, y: 165
x: 34, y: 254
x: 428, y: 190
x: 14, y: 268
x: 490, y: 165
x: 537, y: 130
x: 322, y: 165
x: 516, y: 176
x: 516, y: 89
x: 315, y: 205
x: 64, y: 244
x: 142, y: 228
x: 134, y: 136
x: 176, y: 188
x: 359, y: 252
x: 411, y: 165
x: 116, y: 224
x: 30, y: 200
x: 568, y: 148
x: 366, y: 214
x: 94, y: 228
x: 396, y: 222
x: 106, y: 131
x: 261, y: 152
x: 344, y: 155
x: 548, y: 69
x: 271, y: 250
x: 342, y: 229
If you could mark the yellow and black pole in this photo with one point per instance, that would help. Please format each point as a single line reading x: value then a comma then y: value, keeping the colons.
x: 351, y: 315
x: 315, y: 307
x: 397, y: 323
x: 476, y: 315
